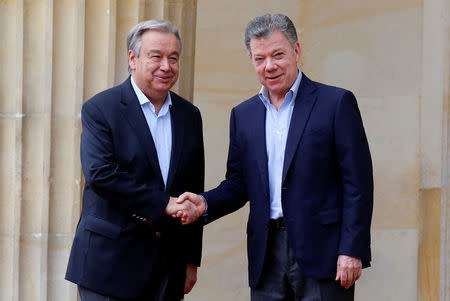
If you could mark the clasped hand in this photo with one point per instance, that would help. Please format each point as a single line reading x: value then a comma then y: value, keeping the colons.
x: 188, y: 207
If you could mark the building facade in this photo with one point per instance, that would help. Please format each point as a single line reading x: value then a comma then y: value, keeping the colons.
x: 394, y: 55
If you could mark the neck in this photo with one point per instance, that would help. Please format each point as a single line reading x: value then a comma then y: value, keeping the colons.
x: 156, y: 98
x: 157, y: 101
x: 276, y: 100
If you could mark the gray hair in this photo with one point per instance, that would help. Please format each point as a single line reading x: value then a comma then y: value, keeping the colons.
x: 134, y: 37
x: 264, y: 26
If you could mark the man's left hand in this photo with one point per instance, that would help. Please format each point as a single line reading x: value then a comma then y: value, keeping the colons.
x: 349, y: 270
x: 196, y: 199
x: 191, y: 278
x: 187, y: 211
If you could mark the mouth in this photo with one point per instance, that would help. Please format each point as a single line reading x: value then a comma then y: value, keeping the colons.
x: 272, y: 78
x: 164, y: 78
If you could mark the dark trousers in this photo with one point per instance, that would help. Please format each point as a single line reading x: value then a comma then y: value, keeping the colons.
x: 159, y: 295
x: 165, y: 287
x: 282, y: 279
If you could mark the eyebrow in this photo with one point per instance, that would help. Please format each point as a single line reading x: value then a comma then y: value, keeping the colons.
x: 274, y: 51
x: 159, y: 52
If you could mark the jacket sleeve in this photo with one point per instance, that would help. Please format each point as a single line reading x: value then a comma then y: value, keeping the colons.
x: 231, y: 194
x: 102, y: 171
x: 355, y: 166
x: 192, y: 234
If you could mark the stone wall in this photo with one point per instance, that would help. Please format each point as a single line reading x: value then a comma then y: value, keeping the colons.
x: 54, y: 55
x: 394, y: 55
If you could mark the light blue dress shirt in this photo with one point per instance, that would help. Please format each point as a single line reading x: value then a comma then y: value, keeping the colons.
x: 277, y: 128
x: 160, y: 126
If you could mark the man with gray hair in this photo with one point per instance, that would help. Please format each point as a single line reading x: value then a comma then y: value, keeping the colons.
x: 141, y: 147
x: 299, y: 154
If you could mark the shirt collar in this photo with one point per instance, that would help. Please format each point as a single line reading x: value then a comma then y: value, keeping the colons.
x: 143, y: 99
x: 290, y: 95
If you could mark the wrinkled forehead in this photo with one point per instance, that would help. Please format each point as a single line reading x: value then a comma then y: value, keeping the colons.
x: 269, y: 43
x: 153, y: 39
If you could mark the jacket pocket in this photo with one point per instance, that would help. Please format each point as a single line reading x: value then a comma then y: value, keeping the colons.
x: 102, y: 227
x: 329, y: 216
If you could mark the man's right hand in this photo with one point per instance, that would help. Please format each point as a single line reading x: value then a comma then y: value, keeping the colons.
x: 195, y: 199
x: 187, y: 211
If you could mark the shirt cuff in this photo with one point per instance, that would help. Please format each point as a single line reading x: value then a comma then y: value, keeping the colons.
x: 206, y: 206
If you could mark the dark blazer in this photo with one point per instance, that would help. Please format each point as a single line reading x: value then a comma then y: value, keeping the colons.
x: 327, y: 185
x: 116, y: 250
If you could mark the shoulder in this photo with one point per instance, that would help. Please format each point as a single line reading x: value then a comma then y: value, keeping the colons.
x: 183, y: 104
x: 109, y: 97
x: 249, y: 104
x: 334, y: 100
x: 328, y: 90
x: 329, y: 95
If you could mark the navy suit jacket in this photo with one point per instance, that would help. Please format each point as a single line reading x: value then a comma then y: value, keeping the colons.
x: 327, y: 185
x: 116, y: 250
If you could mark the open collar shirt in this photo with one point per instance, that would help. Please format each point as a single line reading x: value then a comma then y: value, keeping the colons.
x: 160, y: 126
x: 277, y: 128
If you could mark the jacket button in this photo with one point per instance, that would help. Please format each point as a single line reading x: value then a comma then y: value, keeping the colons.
x: 267, y: 225
x: 284, y: 188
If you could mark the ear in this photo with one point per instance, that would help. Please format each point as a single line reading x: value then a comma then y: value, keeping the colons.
x: 297, y: 50
x: 250, y: 56
x: 131, y: 60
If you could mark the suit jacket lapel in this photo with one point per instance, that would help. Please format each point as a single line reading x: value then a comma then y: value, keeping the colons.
x: 259, y: 141
x: 132, y: 111
x: 177, y: 119
x: 304, y: 103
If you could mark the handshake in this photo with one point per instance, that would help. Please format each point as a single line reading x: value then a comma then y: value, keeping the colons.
x: 188, y: 207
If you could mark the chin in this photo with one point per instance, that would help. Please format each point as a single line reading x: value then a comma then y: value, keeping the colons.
x: 164, y: 88
x: 275, y: 88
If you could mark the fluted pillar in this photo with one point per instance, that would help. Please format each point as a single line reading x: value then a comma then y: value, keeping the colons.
x: 182, y: 13
x: 11, y: 127
x: 54, y: 55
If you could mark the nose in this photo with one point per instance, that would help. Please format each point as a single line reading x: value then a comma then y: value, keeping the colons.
x: 271, y: 65
x: 164, y: 64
